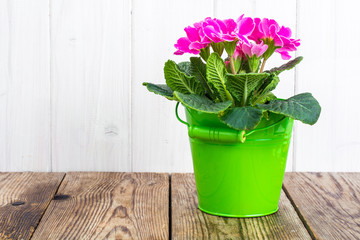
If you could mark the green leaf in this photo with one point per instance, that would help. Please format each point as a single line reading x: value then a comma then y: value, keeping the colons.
x: 287, y: 66
x: 184, y: 67
x: 218, y: 47
x: 265, y: 89
x: 230, y: 47
x: 242, y: 118
x: 242, y: 85
x: 268, y: 97
x: 303, y: 107
x: 271, y: 47
x: 179, y: 81
x: 216, y: 76
x: 198, y: 70
x: 160, y: 89
x: 205, y: 53
x: 201, y: 103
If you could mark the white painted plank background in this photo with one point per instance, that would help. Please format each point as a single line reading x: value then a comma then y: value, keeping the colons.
x: 24, y: 86
x: 71, y: 71
x: 91, y: 85
x: 160, y: 142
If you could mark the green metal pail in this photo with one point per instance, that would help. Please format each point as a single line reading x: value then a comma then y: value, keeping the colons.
x: 235, y: 178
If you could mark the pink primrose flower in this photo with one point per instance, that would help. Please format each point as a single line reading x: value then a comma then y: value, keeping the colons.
x: 244, y: 27
x: 238, y: 53
x: 194, y: 41
x: 254, y: 49
x: 213, y: 30
x: 269, y: 29
x: 219, y: 30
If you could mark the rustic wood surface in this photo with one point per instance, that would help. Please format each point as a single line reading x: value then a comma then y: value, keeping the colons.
x: 188, y: 222
x: 329, y: 203
x: 108, y: 206
x: 90, y: 205
x: 24, y: 198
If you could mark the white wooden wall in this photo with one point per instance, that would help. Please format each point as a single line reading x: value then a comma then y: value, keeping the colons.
x: 71, y: 97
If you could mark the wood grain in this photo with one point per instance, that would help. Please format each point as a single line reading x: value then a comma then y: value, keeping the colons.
x: 23, y: 200
x: 108, y: 206
x: 329, y: 202
x: 24, y: 86
x: 91, y: 85
x: 188, y: 222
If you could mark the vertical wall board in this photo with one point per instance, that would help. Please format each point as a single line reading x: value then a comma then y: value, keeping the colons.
x: 345, y: 109
x: 316, y: 145
x: 160, y: 142
x: 91, y: 86
x: 225, y: 9
x: 24, y: 86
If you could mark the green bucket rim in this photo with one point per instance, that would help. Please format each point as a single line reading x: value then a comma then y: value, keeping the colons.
x: 242, y: 133
x: 238, y: 215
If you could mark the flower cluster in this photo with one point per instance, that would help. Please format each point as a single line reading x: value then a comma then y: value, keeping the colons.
x: 235, y: 88
x: 244, y: 39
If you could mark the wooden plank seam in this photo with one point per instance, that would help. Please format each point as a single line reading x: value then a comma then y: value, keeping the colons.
x: 52, y: 199
x: 302, y: 218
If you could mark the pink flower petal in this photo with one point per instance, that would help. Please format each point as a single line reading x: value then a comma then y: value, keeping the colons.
x: 284, y: 54
x: 230, y: 25
x: 273, y: 34
x: 246, y: 49
x: 285, y: 32
x: 246, y: 26
x: 222, y: 25
x: 212, y: 34
x: 182, y: 44
x: 196, y: 46
x: 192, y: 34
x: 257, y: 33
x: 259, y: 49
x: 179, y: 52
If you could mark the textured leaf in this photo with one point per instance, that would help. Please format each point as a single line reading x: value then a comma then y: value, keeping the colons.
x: 198, y: 70
x: 242, y: 85
x: 242, y: 118
x: 179, y: 81
x: 205, y: 53
x: 185, y: 67
x: 160, y: 89
x: 218, y: 47
x: 216, y: 76
x: 201, y: 103
x: 303, y: 107
x: 287, y: 66
x: 265, y: 89
x: 268, y: 97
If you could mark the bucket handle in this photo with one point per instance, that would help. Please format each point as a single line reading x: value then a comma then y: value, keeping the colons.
x: 241, y: 134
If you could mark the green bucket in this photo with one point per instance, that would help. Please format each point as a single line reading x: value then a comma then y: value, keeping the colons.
x: 237, y: 178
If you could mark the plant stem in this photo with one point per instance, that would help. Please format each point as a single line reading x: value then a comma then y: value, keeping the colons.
x: 232, y: 64
x: 234, y: 72
x: 263, y: 65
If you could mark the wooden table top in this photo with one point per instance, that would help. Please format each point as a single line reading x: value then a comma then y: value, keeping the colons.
x: 91, y: 205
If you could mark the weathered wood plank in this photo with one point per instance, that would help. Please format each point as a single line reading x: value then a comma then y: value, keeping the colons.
x: 328, y: 202
x: 108, y: 206
x: 23, y: 200
x: 190, y: 223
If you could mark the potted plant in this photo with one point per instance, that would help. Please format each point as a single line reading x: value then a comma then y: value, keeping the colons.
x: 239, y: 130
